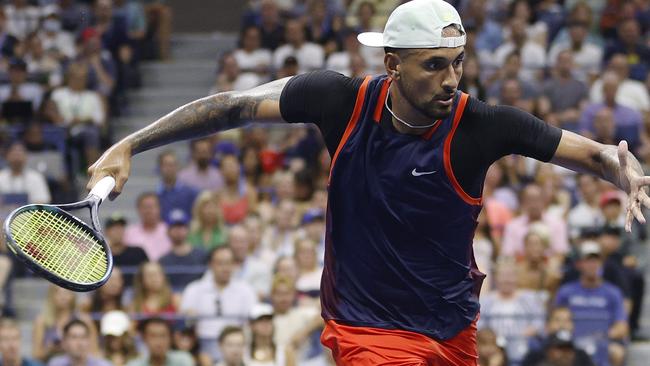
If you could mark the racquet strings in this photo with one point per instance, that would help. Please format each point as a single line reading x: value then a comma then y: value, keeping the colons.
x: 60, y: 245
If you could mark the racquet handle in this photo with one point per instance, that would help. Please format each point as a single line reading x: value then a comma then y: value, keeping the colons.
x: 103, y: 188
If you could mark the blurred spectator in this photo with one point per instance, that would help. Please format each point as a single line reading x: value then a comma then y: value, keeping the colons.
x: 309, y: 271
x: 488, y: 33
x: 129, y: 257
x: 106, y: 298
x: 628, y: 122
x: 280, y: 236
x: 238, y: 197
x: 102, y: 70
x: 159, y: 25
x: 598, y: 311
x: 80, y: 111
x: 6, y: 269
x: 271, y: 27
x: 230, y: 77
x: 22, y: 18
x: 185, y: 339
x: 500, y: 200
x: 310, y: 56
x: 586, y: 213
x: 250, y: 56
x: 78, y: 341
x: 489, y: 351
x: 248, y: 268
x: 255, y: 227
x: 471, y: 82
x: 42, y: 65
x: 199, y: 174
x: 604, y: 127
x: 157, y: 336
x: 24, y: 184
x: 587, y: 55
x: 118, y: 346
x: 218, y: 300
x: 342, y: 61
x: 630, y: 43
x: 319, y: 25
x: 48, y: 333
x: 8, y: 42
x: 533, y: 56
x: 75, y: 15
x: 251, y: 165
x: 206, y: 229
x: 56, y: 41
x: 511, y: 312
x: 484, y: 250
x: 263, y: 349
x: 630, y: 93
x: 536, y: 30
x: 11, y: 344
x: 558, y: 350
x: 559, y: 320
x: 151, y: 232
x: 289, y: 68
x: 611, y: 205
x: 563, y: 96
x: 534, y: 210
x: 19, y: 89
x: 136, y: 23
x: 184, y: 263
x: 233, y: 345
x: 112, y: 29
x: 313, y: 228
x: 535, y: 271
x: 152, y: 294
x: 286, y: 267
x: 511, y: 70
x: 173, y: 195
x: 293, y: 324
x: 512, y: 95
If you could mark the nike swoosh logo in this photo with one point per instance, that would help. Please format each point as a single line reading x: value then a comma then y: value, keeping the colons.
x: 415, y: 173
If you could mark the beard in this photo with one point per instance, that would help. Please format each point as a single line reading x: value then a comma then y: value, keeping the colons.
x: 429, y: 108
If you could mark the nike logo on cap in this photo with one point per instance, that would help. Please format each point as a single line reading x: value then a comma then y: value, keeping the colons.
x: 415, y: 173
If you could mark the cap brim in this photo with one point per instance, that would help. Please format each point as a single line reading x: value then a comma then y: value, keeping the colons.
x: 371, y: 39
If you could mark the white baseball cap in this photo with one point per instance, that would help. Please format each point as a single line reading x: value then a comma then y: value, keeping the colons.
x: 417, y: 24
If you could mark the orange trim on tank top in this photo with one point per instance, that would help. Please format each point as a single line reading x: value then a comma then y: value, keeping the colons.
x: 352, y: 123
x: 447, y: 154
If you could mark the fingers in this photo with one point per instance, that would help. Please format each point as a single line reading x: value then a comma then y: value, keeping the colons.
x: 642, y: 181
x: 636, y: 210
x: 628, y: 220
x: 644, y: 199
x: 622, y: 154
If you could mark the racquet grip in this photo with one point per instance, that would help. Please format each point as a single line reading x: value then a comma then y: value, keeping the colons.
x: 103, y: 188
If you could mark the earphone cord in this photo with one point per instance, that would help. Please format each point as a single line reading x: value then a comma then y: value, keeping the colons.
x: 401, y: 120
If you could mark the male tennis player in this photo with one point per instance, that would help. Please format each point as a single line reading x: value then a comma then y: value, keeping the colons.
x: 409, y: 155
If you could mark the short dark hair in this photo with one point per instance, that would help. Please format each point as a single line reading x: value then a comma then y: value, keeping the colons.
x: 154, y: 320
x: 218, y: 249
x: 228, y: 331
x: 74, y: 322
x: 162, y: 155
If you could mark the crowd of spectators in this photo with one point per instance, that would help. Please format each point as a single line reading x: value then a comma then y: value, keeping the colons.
x: 223, y: 265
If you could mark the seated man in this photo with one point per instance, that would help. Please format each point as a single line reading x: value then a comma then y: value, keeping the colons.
x: 76, y: 343
x: 10, y: 345
x: 599, y: 315
x: 157, y: 336
x: 19, y: 91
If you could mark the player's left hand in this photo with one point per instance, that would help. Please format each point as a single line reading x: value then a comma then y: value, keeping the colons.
x: 634, y: 184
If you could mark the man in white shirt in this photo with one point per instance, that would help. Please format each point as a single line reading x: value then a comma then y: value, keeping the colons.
x: 587, y: 213
x: 22, y: 18
x: 248, y: 268
x: 17, y: 179
x: 533, y: 56
x: 310, y: 56
x: 586, y: 55
x: 631, y: 93
x: 18, y: 89
x: 55, y: 40
x: 217, y: 300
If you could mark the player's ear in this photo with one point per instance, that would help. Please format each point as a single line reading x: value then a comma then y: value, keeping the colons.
x: 391, y: 62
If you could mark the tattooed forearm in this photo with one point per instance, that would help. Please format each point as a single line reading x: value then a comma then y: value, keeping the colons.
x: 208, y: 115
x: 610, y: 166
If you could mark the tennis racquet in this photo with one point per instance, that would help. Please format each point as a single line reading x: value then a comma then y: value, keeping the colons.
x: 61, y: 247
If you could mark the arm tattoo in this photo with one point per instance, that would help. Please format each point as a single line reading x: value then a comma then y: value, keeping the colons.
x: 206, y: 116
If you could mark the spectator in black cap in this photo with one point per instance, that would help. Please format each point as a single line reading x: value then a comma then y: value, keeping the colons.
x: 558, y: 351
x: 184, y: 263
x: 18, y: 89
x: 124, y: 256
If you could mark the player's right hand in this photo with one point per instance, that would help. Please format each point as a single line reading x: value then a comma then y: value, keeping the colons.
x: 115, y: 162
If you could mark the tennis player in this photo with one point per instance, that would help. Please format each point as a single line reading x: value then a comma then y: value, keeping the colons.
x: 409, y: 154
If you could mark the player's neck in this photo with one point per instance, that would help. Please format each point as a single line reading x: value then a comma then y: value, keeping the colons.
x: 403, y: 110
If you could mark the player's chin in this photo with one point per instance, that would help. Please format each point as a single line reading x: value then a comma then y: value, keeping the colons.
x: 439, y: 112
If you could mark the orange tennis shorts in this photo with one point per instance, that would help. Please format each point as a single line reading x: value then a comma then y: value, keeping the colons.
x: 365, y: 346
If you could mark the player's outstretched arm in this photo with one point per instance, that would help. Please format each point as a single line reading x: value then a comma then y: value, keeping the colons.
x: 612, y: 163
x: 199, y: 118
